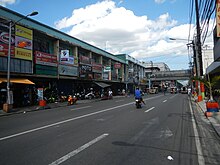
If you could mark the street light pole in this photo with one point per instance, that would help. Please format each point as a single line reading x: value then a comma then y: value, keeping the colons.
x: 11, y: 24
x: 9, y: 62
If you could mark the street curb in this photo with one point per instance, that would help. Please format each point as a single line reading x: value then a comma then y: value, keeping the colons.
x: 212, y: 119
x: 48, y: 106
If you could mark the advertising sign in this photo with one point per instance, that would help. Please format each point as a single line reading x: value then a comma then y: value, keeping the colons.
x: 69, y: 62
x: 40, y: 93
x: 68, y: 70
x: 218, y: 17
x: 4, y: 50
x: 85, y: 60
x: 85, y: 69
x: 23, y: 32
x: 23, y: 43
x: 97, y: 68
x: 107, y: 69
x: 117, y: 65
x: 23, y: 54
x: 4, y: 37
x: 64, y: 55
x: 45, y: 59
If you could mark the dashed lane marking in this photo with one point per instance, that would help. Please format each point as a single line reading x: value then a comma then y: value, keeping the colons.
x: 150, y: 109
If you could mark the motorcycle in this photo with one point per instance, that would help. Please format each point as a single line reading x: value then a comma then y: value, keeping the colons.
x: 138, y: 103
x: 71, y: 100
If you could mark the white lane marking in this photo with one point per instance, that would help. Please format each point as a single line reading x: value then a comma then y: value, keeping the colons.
x: 150, y: 109
x: 119, y: 101
x: 68, y: 120
x: 80, y: 108
x: 201, y: 159
x: 164, y: 101
x: 173, y: 96
x: 73, y: 153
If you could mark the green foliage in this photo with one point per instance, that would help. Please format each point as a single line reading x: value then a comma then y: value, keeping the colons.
x: 212, y: 83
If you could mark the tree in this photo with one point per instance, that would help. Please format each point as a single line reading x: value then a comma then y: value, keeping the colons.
x: 211, y: 84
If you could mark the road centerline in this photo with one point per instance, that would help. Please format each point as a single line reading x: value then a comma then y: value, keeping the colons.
x: 68, y: 120
x: 80, y: 108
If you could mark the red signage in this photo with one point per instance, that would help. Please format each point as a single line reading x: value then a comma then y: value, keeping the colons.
x: 4, y: 50
x: 45, y: 59
x: 117, y: 65
x: 97, y: 68
x: 85, y: 60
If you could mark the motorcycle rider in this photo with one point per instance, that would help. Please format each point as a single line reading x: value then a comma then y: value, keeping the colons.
x: 138, y: 95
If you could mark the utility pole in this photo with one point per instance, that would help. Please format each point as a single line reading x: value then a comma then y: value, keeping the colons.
x: 198, y: 41
x: 198, y: 51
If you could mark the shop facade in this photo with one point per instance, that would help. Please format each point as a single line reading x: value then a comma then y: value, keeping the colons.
x: 55, y: 62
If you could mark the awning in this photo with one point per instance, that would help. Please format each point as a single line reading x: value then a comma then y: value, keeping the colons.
x: 17, y: 80
x: 102, y: 85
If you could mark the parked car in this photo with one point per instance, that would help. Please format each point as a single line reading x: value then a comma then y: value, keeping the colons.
x: 153, y: 90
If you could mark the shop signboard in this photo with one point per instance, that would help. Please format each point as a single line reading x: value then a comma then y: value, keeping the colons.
x: 23, y: 54
x: 68, y: 70
x: 40, y: 93
x: 23, y: 43
x: 107, y: 69
x: 4, y: 38
x: 117, y: 65
x: 45, y: 59
x: 105, y: 76
x: 84, y: 60
x: 97, y: 76
x: 23, y: 32
x: 64, y: 55
x: 70, y: 61
x: 97, y: 68
x: 4, y: 50
x: 85, y: 69
x: 218, y: 17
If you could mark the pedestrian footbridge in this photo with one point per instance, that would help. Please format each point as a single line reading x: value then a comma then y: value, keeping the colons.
x: 171, y: 75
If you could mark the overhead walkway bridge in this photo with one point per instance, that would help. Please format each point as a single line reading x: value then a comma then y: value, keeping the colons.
x: 171, y: 75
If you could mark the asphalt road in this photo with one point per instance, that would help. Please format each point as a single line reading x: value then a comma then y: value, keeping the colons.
x: 111, y: 132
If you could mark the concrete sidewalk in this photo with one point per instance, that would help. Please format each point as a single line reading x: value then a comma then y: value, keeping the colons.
x: 214, y: 120
x: 48, y: 106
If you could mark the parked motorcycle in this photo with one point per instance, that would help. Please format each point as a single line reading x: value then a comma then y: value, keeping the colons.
x: 71, y: 100
x: 63, y: 97
x: 138, y: 103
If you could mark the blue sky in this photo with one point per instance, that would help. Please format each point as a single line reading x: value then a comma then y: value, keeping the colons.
x: 140, y: 28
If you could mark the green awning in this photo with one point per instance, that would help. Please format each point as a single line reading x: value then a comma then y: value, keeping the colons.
x: 102, y: 85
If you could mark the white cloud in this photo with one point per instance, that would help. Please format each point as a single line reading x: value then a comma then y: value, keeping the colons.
x: 119, y: 30
x: 159, y: 1
x: 5, y: 2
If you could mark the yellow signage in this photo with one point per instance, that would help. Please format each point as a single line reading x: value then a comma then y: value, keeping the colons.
x: 23, y: 54
x: 23, y: 32
x: 218, y: 18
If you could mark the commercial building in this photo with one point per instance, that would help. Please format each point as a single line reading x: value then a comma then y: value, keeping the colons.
x: 214, y: 68
x: 57, y: 62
